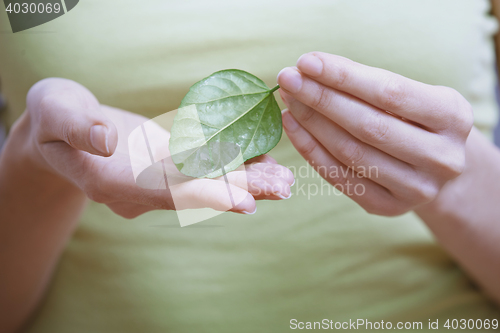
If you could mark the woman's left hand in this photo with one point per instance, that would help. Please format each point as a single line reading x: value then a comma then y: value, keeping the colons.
x: 404, y: 139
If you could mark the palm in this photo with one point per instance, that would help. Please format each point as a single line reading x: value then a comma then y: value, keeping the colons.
x: 111, y: 179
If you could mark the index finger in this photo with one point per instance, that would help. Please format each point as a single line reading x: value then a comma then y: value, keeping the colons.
x: 416, y: 101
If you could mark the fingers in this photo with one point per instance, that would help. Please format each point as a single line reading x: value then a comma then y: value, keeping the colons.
x: 365, y: 122
x: 193, y: 194
x: 67, y: 116
x: 215, y: 194
x: 63, y: 110
x: 263, y: 181
x: 369, y: 162
x: 372, y: 197
x: 430, y: 106
x: 181, y: 193
x: 275, y: 170
x: 345, y: 113
x: 260, y: 180
x: 110, y: 181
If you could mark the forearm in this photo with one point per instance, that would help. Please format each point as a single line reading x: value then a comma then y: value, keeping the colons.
x: 465, y: 217
x: 38, y: 212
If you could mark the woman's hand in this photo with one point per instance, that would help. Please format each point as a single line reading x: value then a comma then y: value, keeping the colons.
x: 67, y: 146
x: 73, y: 136
x: 404, y: 139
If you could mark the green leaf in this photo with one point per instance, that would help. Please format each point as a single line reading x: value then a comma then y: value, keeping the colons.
x: 225, y: 119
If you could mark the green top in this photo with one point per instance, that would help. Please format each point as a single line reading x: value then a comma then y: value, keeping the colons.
x: 310, y: 257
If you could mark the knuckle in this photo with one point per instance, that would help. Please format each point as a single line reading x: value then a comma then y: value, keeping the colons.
x: 305, y: 115
x: 454, y: 167
x: 43, y: 111
x: 307, y: 148
x: 39, y: 89
x: 322, y: 99
x: 450, y: 165
x: 465, y: 116
x: 457, y: 168
x: 47, y: 103
x: 43, y: 114
x: 457, y: 114
x: 374, y: 129
x: 393, y: 95
x: 352, y: 152
x: 425, y: 192
x: 338, y: 181
x: 341, y: 75
x: 429, y: 193
x: 341, y: 180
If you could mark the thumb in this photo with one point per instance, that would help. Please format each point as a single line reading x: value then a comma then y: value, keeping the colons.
x: 63, y: 110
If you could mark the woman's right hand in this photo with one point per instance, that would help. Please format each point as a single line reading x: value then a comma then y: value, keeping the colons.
x: 67, y: 133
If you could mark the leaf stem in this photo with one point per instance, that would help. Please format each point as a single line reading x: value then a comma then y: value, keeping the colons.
x: 274, y: 89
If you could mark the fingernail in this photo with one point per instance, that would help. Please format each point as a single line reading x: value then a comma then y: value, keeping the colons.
x: 289, y: 79
x: 293, y: 182
x: 310, y: 64
x: 99, y: 138
x: 289, y: 122
x: 248, y: 213
x: 282, y: 196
